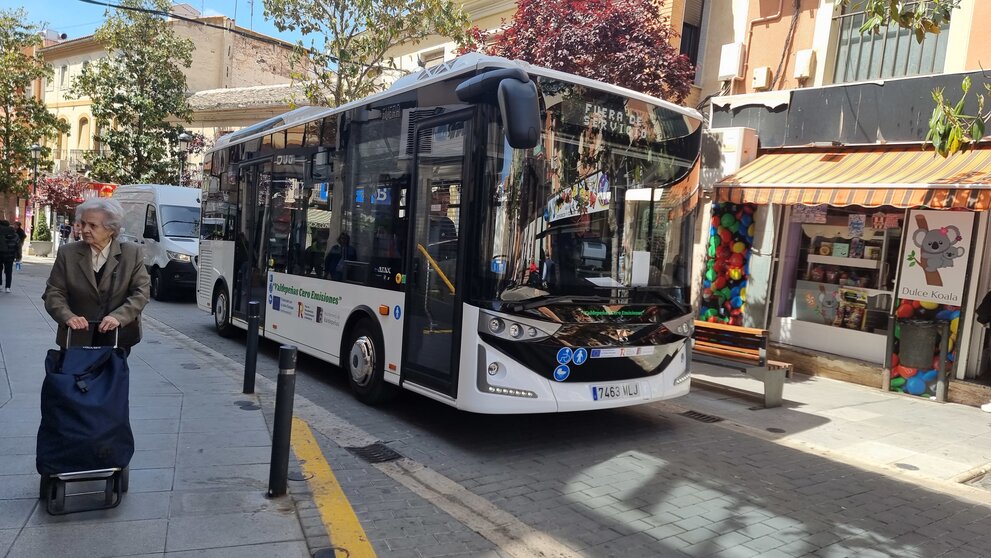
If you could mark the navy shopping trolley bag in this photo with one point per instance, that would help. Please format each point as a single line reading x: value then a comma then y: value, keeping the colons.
x: 85, y: 431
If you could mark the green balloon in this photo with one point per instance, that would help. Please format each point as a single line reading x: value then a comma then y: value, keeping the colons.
x: 727, y: 220
x: 898, y: 331
x: 712, y: 251
x: 734, y: 228
x: 710, y: 274
x: 726, y: 293
x: 898, y: 382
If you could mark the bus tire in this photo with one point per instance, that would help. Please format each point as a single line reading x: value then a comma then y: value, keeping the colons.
x: 222, y: 312
x: 365, y: 364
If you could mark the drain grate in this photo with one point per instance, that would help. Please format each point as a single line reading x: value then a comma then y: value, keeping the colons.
x: 375, y: 453
x: 701, y: 417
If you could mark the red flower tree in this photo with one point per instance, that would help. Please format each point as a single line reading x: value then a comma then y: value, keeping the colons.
x: 623, y: 42
x: 63, y: 191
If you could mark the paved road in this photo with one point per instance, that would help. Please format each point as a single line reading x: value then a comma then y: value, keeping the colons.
x: 629, y: 482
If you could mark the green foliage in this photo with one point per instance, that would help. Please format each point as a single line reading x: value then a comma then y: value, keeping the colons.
x: 141, y: 90
x: 358, y: 37
x: 23, y: 120
x: 921, y: 17
x: 950, y: 129
x: 41, y: 232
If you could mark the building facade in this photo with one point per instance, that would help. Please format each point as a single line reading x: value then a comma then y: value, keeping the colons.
x: 228, y: 58
x: 862, y: 253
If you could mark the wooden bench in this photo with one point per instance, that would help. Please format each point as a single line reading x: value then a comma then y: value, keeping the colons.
x: 742, y: 348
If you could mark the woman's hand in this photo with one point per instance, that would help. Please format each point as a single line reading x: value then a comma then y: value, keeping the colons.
x: 77, y: 322
x: 109, y: 323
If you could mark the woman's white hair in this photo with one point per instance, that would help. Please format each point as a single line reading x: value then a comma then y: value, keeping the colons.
x: 112, y: 210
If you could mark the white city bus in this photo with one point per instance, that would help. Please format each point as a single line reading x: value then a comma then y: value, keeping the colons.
x: 499, y: 237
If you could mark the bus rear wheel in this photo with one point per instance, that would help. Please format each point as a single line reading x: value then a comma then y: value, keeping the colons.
x: 222, y: 313
x: 365, y: 365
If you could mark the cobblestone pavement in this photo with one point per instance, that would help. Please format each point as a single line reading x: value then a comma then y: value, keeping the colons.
x: 642, y: 481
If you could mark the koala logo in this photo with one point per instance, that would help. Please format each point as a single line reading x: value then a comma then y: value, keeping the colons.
x: 828, y: 305
x: 938, y: 246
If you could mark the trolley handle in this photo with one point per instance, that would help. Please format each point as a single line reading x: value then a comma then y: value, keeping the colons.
x: 92, y: 323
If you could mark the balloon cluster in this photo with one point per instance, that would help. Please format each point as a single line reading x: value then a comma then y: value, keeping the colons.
x: 918, y: 381
x: 727, y: 265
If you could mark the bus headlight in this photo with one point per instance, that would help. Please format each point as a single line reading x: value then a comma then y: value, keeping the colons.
x: 496, y: 325
x: 516, y: 331
x: 179, y: 257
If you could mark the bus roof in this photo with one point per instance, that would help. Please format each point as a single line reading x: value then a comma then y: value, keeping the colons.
x: 460, y: 65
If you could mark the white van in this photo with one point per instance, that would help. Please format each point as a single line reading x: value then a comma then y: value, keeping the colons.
x: 165, y: 220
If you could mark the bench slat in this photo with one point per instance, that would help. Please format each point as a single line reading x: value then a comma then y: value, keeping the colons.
x: 699, y: 324
x: 735, y: 355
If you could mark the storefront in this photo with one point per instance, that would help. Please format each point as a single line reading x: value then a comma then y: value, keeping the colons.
x: 874, y: 255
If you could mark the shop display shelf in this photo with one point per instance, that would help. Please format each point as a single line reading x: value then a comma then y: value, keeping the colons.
x: 841, y: 261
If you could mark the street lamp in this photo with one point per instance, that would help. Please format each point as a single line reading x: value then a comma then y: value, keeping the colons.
x: 184, y: 140
x: 35, y: 155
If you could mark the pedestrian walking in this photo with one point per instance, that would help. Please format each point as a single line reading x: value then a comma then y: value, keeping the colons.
x: 8, y: 252
x: 100, y: 279
x: 21, y: 237
x: 983, y: 316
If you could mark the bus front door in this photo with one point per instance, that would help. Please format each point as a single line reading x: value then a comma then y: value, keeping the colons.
x: 433, y: 300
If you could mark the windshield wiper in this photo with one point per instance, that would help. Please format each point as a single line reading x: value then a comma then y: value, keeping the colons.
x: 544, y: 300
x: 180, y: 221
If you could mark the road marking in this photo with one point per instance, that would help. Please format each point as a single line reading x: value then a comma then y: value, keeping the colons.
x: 346, y: 532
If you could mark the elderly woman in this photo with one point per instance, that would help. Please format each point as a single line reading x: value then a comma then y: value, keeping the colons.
x: 99, y: 279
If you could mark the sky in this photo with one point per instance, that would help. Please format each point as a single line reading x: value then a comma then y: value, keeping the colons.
x: 78, y: 19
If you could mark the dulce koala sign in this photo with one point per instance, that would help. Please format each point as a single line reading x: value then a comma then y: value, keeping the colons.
x: 935, y: 255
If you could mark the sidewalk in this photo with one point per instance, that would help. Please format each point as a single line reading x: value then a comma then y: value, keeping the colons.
x: 904, y: 435
x: 199, y: 473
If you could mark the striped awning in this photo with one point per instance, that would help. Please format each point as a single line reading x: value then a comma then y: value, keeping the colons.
x: 903, y: 176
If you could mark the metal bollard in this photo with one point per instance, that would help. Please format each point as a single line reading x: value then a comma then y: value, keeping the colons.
x: 282, y: 428
x: 251, y: 347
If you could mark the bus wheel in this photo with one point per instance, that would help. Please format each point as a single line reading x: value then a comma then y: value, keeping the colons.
x: 222, y: 313
x: 365, y: 365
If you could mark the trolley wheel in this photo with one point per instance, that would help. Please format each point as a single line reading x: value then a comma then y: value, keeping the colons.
x: 123, y: 479
x: 57, y: 503
x: 45, y: 488
x: 222, y: 313
x: 366, y: 365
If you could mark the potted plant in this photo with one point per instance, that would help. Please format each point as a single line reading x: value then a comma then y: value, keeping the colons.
x: 41, y: 240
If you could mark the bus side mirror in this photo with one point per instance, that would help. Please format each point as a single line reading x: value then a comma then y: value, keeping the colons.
x: 520, y: 108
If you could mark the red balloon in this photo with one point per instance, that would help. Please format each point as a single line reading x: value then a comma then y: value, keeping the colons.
x: 706, y: 293
x: 904, y: 371
x: 736, y: 260
x: 712, y: 319
x: 719, y: 283
x: 715, y: 221
x: 894, y: 360
x: 905, y: 310
x: 725, y: 236
x: 916, y: 304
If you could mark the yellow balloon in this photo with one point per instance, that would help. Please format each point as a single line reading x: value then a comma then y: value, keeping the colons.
x: 929, y: 305
x: 954, y: 326
x: 739, y: 247
x: 743, y: 293
x: 750, y: 231
x: 735, y: 273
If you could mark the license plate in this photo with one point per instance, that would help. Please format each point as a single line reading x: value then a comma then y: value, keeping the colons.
x: 622, y: 391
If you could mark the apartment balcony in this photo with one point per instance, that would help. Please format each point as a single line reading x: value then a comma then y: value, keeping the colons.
x: 74, y: 160
x: 892, y: 53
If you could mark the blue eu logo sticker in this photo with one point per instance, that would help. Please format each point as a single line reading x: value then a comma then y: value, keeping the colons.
x: 561, y: 373
x: 564, y: 356
x: 580, y: 356
x: 397, y: 312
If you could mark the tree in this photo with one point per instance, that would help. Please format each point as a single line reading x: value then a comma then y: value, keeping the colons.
x: 623, y: 42
x: 23, y: 119
x: 950, y: 128
x: 63, y: 191
x: 138, y: 94
x: 358, y: 37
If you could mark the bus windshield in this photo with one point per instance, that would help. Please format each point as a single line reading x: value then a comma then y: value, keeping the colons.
x: 601, y: 207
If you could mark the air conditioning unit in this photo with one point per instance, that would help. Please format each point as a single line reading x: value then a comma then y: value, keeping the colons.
x: 761, y: 79
x: 434, y: 144
x: 805, y: 63
x: 731, y: 61
x: 724, y: 151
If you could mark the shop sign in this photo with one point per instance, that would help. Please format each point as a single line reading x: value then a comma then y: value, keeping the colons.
x: 808, y: 214
x: 935, y: 254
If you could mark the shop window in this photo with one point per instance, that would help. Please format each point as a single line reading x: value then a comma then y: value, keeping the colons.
x: 841, y: 266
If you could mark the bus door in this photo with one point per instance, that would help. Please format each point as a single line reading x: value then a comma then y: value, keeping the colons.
x: 250, y: 259
x: 433, y: 297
